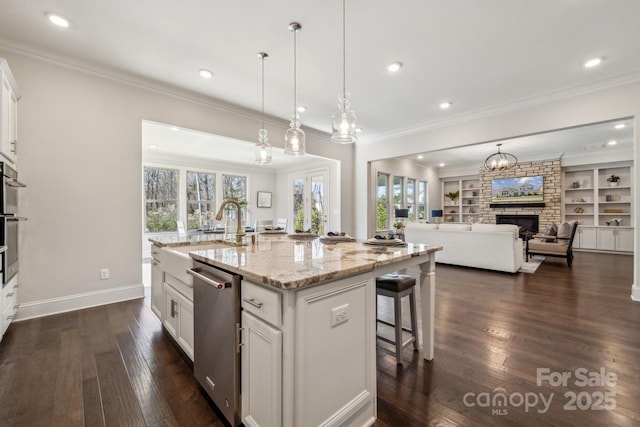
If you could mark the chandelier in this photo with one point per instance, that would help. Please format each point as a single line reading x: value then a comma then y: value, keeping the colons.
x: 263, y: 148
x: 500, y: 161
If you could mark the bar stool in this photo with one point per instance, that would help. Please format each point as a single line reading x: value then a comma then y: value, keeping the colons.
x: 397, y: 286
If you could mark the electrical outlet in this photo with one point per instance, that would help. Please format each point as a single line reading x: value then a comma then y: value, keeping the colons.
x: 339, y: 315
x: 104, y: 273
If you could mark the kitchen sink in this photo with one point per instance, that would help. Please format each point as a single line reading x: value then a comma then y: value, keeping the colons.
x: 176, y: 260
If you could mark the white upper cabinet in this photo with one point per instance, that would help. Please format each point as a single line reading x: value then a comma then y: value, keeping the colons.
x: 9, y: 97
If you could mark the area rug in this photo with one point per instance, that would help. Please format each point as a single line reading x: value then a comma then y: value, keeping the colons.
x: 532, y: 264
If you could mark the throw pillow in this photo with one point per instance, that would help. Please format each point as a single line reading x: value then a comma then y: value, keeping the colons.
x: 564, y: 230
x: 551, y: 230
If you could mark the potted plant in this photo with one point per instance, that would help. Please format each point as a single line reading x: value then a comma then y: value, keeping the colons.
x: 453, y: 195
x: 398, y: 225
x: 613, y: 180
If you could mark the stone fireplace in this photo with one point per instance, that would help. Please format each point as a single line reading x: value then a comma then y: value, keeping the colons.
x: 547, y: 214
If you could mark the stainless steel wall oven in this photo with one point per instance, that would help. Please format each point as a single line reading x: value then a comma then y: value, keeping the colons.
x: 9, y: 220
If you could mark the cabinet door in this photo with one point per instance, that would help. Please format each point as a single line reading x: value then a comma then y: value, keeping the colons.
x: 588, y: 238
x: 157, y: 292
x: 261, y: 373
x: 5, y: 100
x: 624, y: 239
x: 171, y: 310
x: 185, y: 326
x: 606, y: 239
x: 13, y: 126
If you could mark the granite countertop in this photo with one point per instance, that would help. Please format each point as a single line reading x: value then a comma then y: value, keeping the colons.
x: 291, y: 264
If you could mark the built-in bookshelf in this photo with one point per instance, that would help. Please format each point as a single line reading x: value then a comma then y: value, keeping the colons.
x: 603, y: 207
x: 466, y: 207
x: 592, y: 200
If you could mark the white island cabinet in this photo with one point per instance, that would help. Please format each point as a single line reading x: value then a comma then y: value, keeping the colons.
x: 327, y: 349
x: 171, y: 297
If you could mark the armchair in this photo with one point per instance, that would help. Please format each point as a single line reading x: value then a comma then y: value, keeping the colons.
x: 561, y: 246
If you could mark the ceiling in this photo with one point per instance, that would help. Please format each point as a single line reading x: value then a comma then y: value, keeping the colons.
x: 162, y: 139
x: 482, y: 55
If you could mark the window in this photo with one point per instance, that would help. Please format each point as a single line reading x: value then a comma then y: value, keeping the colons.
x: 411, y: 191
x: 161, y: 199
x: 398, y: 192
x: 298, y: 203
x: 201, y: 199
x: 235, y: 187
x: 422, y: 199
x: 382, y: 198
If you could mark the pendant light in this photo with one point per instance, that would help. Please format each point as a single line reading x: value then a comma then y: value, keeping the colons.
x: 294, y: 137
x: 500, y: 161
x: 343, y: 122
x: 263, y: 148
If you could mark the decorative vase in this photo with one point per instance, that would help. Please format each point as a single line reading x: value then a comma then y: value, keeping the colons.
x: 613, y: 184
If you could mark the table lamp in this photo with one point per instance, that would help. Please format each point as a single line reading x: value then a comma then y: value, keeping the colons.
x: 435, y: 214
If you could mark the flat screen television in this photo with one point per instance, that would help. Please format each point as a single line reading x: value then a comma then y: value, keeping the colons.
x: 517, y: 189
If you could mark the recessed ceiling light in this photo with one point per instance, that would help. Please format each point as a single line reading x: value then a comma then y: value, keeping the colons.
x: 58, y: 20
x: 394, y: 67
x: 302, y: 109
x: 358, y: 130
x: 446, y: 105
x: 441, y: 165
x: 593, y: 62
x: 620, y: 126
x: 174, y: 128
x: 420, y: 157
x: 205, y: 74
x: 612, y: 142
x: 153, y: 146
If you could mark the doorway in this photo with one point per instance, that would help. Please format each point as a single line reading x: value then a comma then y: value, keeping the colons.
x: 309, y: 201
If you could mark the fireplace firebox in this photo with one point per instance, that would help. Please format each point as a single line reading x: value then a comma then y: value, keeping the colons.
x: 525, y: 222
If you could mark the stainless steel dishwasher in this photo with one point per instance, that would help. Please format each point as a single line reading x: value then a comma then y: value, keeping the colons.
x: 216, y: 362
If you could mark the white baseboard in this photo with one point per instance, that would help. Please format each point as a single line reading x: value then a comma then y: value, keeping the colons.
x: 29, y: 310
x: 635, y: 293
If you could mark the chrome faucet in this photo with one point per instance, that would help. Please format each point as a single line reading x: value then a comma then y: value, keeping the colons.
x: 240, y: 233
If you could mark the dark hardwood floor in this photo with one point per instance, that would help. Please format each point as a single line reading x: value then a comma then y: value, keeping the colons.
x: 113, y: 365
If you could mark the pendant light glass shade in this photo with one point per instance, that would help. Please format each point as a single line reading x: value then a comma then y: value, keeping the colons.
x: 500, y: 161
x: 263, y: 150
x: 294, y: 137
x: 343, y: 122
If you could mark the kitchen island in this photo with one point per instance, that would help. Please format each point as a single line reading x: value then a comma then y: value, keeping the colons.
x: 308, y: 325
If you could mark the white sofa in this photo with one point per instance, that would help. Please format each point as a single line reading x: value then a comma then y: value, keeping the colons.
x: 489, y: 246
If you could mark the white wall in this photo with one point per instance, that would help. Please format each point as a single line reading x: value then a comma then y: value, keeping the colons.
x: 80, y: 154
x: 601, y: 105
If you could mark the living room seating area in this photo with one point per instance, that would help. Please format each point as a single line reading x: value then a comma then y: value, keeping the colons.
x: 488, y: 246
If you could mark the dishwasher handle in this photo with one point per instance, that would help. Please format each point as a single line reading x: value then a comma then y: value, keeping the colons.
x: 196, y: 272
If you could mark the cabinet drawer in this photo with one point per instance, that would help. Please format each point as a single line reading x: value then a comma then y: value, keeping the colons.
x: 8, y: 314
x: 180, y: 286
x: 9, y: 292
x: 262, y: 302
